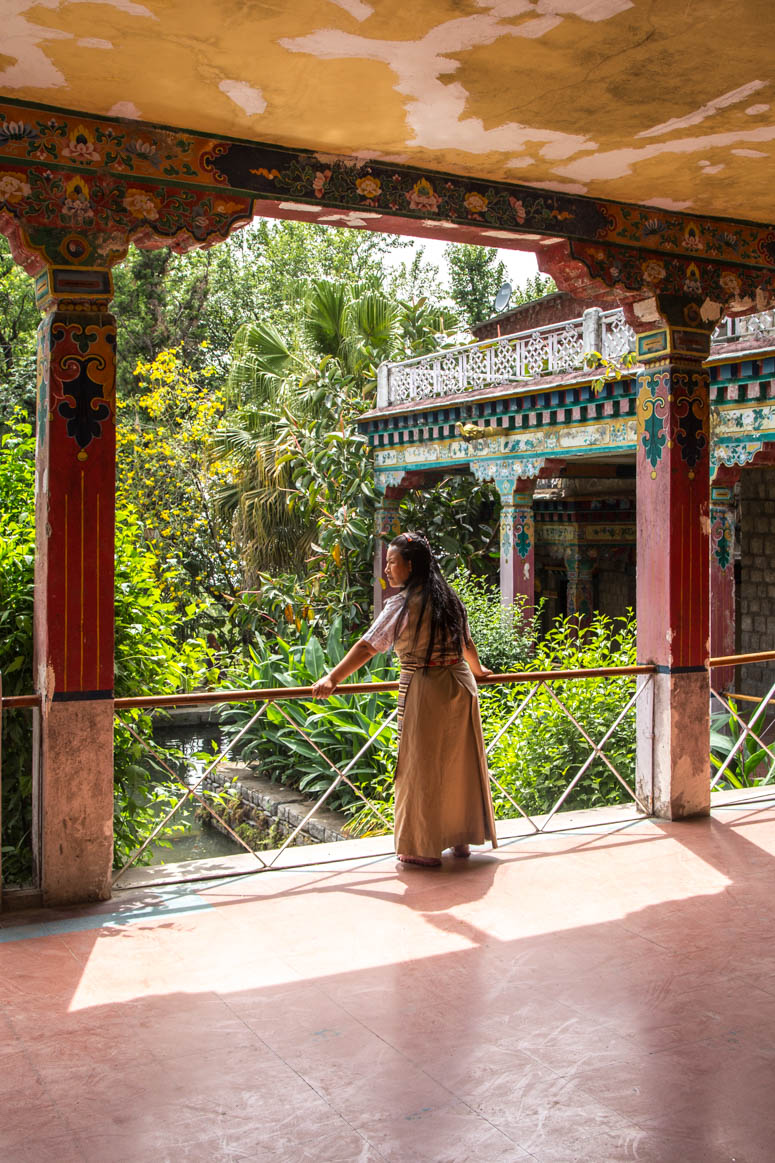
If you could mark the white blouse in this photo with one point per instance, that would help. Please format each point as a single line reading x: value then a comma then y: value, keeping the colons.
x: 381, y: 634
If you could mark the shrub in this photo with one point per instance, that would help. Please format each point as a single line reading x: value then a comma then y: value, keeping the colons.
x: 504, y: 637
x: 542, y: 751
x: 17, y: 563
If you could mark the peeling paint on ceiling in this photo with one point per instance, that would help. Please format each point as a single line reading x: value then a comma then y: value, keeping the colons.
x: 633, y: 100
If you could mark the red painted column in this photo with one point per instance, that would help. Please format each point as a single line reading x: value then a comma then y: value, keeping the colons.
x: 73, y: 625
x: 517, y: 546
x: 673, y: 574
x: 722, y: 575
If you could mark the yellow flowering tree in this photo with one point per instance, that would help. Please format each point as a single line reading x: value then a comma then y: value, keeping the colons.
x: 164, y: 472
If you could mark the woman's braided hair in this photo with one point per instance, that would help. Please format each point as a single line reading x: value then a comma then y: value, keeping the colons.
x: 447, y: 615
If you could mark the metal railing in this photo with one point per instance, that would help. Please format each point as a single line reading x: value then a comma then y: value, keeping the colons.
x: 743, y: 760
x: 746, y: 732
x: 537, y: 681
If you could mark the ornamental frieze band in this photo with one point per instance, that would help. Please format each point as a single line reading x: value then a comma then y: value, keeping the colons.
x: 82, y: 172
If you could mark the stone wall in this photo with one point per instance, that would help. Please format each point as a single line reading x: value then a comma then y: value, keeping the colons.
x: 756, y: 594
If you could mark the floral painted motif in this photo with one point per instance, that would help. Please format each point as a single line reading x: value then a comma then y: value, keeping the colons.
x: 18, y: 131
x: 690, y: 408
x: 369, y: 187
x: 141, y: 204
x: 652, y: 406
x: 321, y: 181
x: 13, y: 187
x: 80, y: 147
x: 625, y: 266
x: 523, y: 532
x: 520, y: 213
x: 476, y: 204
x: 653, y: 272
x: 722, y: 536
x: 423, y: 197
x: 76, y: 207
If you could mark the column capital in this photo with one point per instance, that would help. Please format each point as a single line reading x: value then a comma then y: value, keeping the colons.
x: 509, y: 476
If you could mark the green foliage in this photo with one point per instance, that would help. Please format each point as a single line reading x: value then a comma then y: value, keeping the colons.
x: 163, y: 473
x: 751, y: 764
x: 534, y: 288
x: 459, y: 515
x: 338, y: 726
x: 149, y: 660
x: 18, y: 325
x: 541, y: 752
x: 17, y: 558
x: 475, y: 274
x: 610, y: 369
x: 301, y: 487
x: 504, y: 638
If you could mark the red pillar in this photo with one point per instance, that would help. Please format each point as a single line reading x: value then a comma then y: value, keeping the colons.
x: 673, y: 559
x: 722, y: 575
x: 517, y: 548
x: 73, y: 631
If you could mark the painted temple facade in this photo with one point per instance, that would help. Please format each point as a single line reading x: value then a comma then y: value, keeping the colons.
x: 521, y: 408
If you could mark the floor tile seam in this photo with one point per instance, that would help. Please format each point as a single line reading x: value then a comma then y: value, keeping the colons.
x: 305, y: 1081
x: 422, y: 1069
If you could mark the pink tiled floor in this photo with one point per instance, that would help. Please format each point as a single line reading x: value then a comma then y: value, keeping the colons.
x: 599, y: 996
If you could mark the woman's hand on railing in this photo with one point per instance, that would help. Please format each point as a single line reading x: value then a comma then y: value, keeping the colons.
x: 324, y: 687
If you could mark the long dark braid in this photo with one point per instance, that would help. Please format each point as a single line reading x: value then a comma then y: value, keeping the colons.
x: 447, y: 616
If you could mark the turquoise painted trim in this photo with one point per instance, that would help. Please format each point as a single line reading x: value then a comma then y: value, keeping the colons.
x: 171, y: 902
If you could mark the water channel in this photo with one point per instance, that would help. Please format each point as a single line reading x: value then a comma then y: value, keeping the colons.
x: 198, y: 841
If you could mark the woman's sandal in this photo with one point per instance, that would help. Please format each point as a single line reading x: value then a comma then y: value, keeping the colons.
x: 462, y: 850
x: 422, y: 861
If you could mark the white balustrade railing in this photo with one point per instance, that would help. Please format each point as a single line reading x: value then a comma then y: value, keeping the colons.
x: 746, y: 325
x: 560, y: 347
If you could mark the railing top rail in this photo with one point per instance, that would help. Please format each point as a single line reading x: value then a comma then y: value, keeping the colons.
x: 271, y: 694
x: 742, y: 659
x: 493, y: 341
x: 11, y: 701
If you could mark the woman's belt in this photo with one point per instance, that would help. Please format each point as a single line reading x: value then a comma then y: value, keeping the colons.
x: 456, y: 662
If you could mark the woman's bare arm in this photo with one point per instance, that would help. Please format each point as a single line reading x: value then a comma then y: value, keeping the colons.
x: 472, y: 658
x: 353, y: 660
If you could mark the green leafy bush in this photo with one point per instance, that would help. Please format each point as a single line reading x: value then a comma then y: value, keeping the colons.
x: 751, y: 764
x: 542, y: 751
x: 17, y: 563
x: 504, y: 637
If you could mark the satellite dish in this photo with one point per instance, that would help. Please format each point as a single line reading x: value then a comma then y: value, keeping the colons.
x: 502, y: 298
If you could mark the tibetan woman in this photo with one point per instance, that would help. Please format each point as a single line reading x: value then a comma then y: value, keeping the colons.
x: 442, y: 790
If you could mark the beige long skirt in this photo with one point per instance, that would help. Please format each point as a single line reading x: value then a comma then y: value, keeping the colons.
x: 442, y: 786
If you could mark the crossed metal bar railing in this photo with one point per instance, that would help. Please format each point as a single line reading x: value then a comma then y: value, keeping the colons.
x: 536, y: 680
x: 750, y: 729
x: 747, y: 731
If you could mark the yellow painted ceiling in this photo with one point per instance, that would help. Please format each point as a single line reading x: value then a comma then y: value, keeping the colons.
x: 665, y: 102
